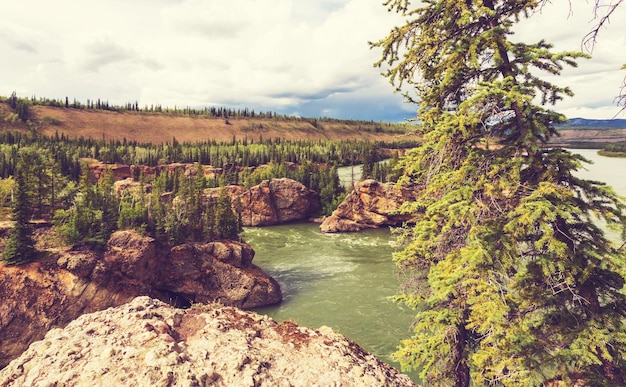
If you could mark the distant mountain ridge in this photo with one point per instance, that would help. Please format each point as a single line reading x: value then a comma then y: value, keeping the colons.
x: 589, y: 123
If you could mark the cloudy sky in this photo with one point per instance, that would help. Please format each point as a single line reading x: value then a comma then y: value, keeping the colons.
x: 304, y: 57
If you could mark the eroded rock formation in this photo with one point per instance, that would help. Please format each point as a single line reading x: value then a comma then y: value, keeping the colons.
x: 67, y: 283
x: 370, y: 205
x: 148, y: 343
x: 274, y: 202
x: 268, y: 203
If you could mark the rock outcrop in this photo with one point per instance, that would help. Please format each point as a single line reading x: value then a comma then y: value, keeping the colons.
x: 97, y: 169
x: 148, y: 343
x: 273, y: 202
x: 65, y: 284
x: 370, y: 205
x: 268, y: 203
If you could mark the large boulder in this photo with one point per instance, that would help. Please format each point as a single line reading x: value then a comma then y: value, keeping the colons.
x: 273, y: 202
x: 148, y: 343
x: 370, y: 205
x: 218, y: 271
x: 65, y: 284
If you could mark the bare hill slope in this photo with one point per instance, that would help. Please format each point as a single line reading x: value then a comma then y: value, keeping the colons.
x: 162, y: 127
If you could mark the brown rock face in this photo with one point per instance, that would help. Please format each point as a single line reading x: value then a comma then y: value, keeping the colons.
x: 120, y: 171
x: 55, y: 290
x: 148, y: 343
x: 219, y: 271
x: 370, y: 205
x: 274, y: 202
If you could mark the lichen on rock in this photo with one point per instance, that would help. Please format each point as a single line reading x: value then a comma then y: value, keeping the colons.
x: 147, y: 342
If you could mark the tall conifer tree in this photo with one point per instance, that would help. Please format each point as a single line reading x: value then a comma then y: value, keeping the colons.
x: 514, y: 282
x: 20, y: 247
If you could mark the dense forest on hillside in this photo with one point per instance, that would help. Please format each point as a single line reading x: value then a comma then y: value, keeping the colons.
x: 48, y: 178
x: 237, y: 154
x: 59, y: 186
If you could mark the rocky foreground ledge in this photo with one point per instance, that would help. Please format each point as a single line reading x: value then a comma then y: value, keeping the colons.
x: 149, y: 343
x: 54, y: 290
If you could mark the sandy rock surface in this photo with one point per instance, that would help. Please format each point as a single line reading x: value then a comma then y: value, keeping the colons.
x: 148, y: 343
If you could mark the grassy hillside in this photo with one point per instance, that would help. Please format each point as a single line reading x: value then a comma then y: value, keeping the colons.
x: 161, y: 127
x: 585, y: 133
x: 575, y: 137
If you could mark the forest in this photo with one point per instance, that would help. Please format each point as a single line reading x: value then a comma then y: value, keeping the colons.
x: 48, y: 178
x: 617, y: 149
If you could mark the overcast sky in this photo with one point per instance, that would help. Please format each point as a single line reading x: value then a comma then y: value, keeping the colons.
x: 303, y: 57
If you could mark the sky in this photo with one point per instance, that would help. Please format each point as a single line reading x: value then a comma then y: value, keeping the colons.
x: 297, y: 57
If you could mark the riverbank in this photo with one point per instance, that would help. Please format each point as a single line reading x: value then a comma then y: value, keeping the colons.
x: 606, y: 153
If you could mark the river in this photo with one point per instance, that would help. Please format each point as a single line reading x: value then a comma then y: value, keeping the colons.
x: 345, y: 280
x: 339, y: 280
x: 610, y: 170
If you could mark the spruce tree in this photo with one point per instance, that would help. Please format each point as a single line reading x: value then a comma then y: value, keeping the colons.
x: 513, y: 281
x: 20, y: 247
x: 227, y: 224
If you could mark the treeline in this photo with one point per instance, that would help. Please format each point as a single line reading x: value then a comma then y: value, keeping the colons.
x: 171, y: 217
x: 617, y: 149
x: 172, y: 206
x: 213, y: 111
x: 237, y: 154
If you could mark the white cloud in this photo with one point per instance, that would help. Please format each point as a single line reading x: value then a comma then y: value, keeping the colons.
x: 309, y: 56
x: 596, y: 81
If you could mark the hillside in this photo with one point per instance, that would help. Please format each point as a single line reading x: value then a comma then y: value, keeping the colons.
x: 161, y: 127
x: 583, y: 123
x: 585, y: 133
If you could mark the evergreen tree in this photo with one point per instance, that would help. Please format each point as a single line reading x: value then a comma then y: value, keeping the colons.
x: 369, y: 159
x: 94, y: 212
x: 12, y: 100
x: 20, y: 247
x: 107, y: 204
x: 156, y: 208
x: 227, y: 225
x: 514, y: 282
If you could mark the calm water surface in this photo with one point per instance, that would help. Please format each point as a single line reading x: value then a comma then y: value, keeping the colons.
x: 344, y: 280
x: 611, y: 170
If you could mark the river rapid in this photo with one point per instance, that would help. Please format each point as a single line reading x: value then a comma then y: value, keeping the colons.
x: 345, y: 280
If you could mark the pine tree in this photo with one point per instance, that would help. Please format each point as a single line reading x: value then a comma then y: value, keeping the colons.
x: 227, y: 225
x: 513, y: 281
x: 107, y: 205
x: 20, y: 247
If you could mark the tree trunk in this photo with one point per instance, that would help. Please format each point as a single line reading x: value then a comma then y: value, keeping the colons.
x: 459, y: 356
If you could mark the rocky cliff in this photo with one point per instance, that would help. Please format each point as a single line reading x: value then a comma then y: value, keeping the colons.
x: 268, y: 203
x: 67, y: 283
x: 370, y: 205
x: 274, y: 202
x: 148, y: 343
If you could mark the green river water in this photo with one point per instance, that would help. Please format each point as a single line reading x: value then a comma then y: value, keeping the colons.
x: 344, y: 280
x: 338, y: 280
